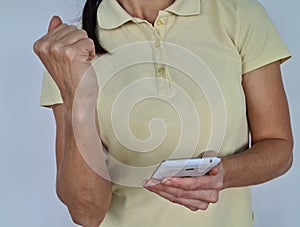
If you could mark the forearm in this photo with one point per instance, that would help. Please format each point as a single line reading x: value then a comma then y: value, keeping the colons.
x: 265, y: 160
x: 81, y: 179
x: 67, y: 52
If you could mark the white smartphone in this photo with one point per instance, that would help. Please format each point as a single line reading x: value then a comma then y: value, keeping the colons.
x: 189, y: 167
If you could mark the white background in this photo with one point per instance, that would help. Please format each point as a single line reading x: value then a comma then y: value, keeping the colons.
x: 27, y: 163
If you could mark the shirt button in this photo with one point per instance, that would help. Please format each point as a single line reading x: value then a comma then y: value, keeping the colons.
x: 157, y: 44
x: 161, y: 22
x: 161, y: 71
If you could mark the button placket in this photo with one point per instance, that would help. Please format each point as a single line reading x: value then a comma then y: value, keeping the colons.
x: 160, y: 26
x: 162, y: 75
x: 156, y: 34
x: 161, y: 21
x: 163, y: 80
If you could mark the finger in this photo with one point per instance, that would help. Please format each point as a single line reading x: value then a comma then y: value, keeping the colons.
x: 83, y: 51
x: 208, y: 154
x: 54, y: 23
x: 73, y: 35
x: 189, y: 203
x: 211, y: 196
x: 194, y: 183
x: 63, y: 31
x: 192, y: 208
x: 214, y: 171
x: 150, y: 182
x: 86, y: 49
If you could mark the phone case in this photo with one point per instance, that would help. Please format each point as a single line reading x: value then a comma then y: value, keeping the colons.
x: 185, y: 167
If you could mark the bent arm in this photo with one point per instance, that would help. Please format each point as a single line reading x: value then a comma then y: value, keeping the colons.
x: 82, y: 189
x: 269, y: 157
x: 272, y: 143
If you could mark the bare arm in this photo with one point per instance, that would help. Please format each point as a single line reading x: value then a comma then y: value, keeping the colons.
x: 272, y: 143
x: 86, y: 194
x: 81, y: 182
x: 269, y: 157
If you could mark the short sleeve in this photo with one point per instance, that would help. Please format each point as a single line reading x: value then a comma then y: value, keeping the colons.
x: 50, y: 94
x: 258, y: 40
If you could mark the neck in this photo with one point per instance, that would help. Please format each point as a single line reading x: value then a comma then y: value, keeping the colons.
x: 145, y: 9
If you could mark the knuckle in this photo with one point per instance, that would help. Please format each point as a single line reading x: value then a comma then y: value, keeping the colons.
x: 70, y: 53
x: 83, y: 33
x: 36, y: 47
x: 55, y: 47
x: 73, y: 27
x: 90, y: 42
x: 41, y: 46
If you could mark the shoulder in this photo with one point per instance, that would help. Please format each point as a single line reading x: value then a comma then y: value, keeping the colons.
x: 230, y: 3
x: 245, y: 10
x: 235, y: 4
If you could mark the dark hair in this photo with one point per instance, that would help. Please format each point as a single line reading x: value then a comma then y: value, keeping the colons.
x: 89, y: 23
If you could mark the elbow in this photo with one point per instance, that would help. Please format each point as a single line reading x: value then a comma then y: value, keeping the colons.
x: 287, y: 160
x: 83, y: 217
x: 86, y: 211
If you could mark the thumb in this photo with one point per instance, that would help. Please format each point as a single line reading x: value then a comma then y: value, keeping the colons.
x: 54, y: 23
x: 213, y: 171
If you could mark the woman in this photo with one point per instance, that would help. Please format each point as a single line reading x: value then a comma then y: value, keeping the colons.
x: 235, y: 40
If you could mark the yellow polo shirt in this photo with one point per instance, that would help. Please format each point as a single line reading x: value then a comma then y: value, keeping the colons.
x: 172, y: 90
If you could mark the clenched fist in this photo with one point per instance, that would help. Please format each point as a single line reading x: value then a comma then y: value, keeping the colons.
x: 66, y: 52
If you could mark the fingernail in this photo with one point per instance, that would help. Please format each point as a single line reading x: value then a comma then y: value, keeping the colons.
x: 148, y: 183
x: 167, y: 181
x: 144, y: 183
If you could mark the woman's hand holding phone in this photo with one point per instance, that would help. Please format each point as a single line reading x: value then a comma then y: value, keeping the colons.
x: 195, y: 193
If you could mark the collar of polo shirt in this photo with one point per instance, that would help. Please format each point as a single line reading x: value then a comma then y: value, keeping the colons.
x: 111, y: 15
